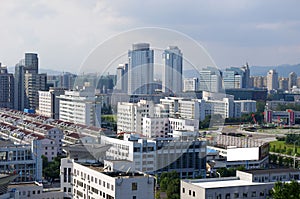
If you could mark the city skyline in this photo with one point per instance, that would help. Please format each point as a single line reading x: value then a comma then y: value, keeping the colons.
x: 232, y: 32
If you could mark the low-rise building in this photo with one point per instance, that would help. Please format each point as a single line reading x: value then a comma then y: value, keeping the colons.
x: 22, y: 159
x: 33, y: 190
x: 94, y: 181
x: 246, y: 184
x: 183, y: 154
x: 239, y: 151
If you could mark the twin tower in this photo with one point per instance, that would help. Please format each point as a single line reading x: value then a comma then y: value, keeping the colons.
x: 137, y: 77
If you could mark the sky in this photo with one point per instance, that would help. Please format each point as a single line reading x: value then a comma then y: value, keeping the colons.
x: 65, y: 32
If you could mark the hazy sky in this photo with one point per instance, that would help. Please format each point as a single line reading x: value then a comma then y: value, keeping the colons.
x: 64, y: 32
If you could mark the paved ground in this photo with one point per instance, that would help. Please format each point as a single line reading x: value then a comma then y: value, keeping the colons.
x: 266, y: 136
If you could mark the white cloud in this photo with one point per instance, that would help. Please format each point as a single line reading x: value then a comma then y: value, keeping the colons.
x: 64, y: 32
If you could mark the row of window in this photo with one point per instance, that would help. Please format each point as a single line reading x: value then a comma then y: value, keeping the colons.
x: 101, y: 193
x: 253, y: 194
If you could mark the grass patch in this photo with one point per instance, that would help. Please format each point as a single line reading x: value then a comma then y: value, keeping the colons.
x: 282, y: 147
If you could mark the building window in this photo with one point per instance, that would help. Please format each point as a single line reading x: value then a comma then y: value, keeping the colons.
x: 253, y: 194
x: 227, y: 196
x: 134, y: 186
x: 261, y: 193
x: 245, y: 195
x: 194, y: 194
x: 133, y: 197
x: 235, y: 195
x: 219, y: 196
x: 183, y: 190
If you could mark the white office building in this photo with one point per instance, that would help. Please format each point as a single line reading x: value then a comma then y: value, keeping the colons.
x: 33, y: 190
x: 246, y: 184
x: 210, y: 80
x: 156, y: 127
x: 94, y: 181
x: 154, y: 156
x: 164, y: 127
x: 191, y: 84
x: 80, y: 107
x: 129, y: 115
x: 224, y: 107
x: 49, y: 102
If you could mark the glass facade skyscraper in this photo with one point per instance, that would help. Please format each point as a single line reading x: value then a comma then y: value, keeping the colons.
x: 31, y: 63
x: 140, y: 69
x: 172, y: 70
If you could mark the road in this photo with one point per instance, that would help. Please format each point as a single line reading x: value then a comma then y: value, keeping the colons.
x: 284, y: 155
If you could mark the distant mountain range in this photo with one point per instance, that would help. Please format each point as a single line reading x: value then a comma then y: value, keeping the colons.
x: 41, y: 70
x: 282, y: 70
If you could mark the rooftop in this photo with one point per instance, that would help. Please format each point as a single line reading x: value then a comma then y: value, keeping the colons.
x: 24, y: 184
x: 101, y: 169
x: 225, y: 183
x: 265, y: 171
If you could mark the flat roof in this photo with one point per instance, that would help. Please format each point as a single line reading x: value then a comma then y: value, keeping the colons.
x: 23, y: 184
x: 225, y: 183
x: 264, y: 171
x: 114, y: 174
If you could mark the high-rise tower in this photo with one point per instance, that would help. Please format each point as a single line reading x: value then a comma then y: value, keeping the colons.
x: 140, y: 69
x: 6, y: 88
x: 172, y: 70
x: 31, y: 63
x: 19, y: 76
x: 34, y: 82
x: 272, y: 80
x: 292, y: 80
x: 122, y: 78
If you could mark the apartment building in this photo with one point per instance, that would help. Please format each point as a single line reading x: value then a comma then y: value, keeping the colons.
x: 80, y: 107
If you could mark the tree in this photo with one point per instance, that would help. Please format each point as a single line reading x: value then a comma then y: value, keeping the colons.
x: 170, y: 183
x: 286, y: 190
x: 205, y: 123
x: 52, y: 169
x: 260, y: 106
